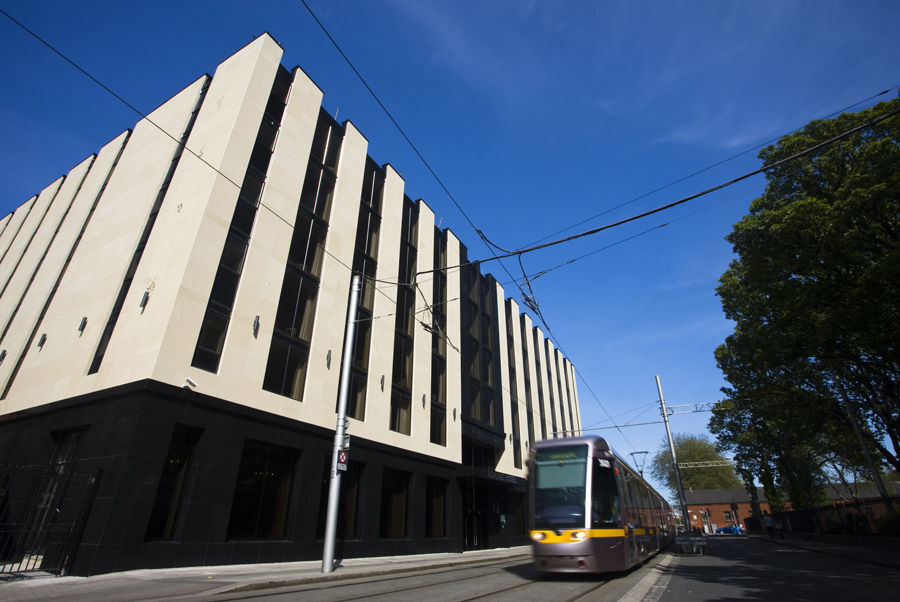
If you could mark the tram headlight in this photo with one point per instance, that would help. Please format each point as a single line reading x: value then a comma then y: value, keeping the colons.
x: 579, y: 535
x: 537, y: 536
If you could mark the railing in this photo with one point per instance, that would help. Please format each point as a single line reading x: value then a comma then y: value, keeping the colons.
x: 43, y: 510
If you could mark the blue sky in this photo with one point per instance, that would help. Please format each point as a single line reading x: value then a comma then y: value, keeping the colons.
x: 537, y: 116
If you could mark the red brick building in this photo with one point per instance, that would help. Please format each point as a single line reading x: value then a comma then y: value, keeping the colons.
x: 853, y: 509
x: 710, y: 509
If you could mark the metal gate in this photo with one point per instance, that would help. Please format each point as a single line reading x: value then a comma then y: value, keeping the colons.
x: 43, y: 510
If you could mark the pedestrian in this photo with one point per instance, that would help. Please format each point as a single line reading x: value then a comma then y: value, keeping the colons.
x: 779, y: 527
x: 769, y: 522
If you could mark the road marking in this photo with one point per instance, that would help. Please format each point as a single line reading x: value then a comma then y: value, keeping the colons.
x: 654, y: 583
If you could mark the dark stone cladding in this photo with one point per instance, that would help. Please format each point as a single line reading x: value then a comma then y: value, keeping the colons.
x: 127, y: 430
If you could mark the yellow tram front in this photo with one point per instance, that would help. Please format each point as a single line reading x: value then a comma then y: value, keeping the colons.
x: 576, y: 522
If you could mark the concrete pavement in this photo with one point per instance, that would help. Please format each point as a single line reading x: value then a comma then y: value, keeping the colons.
x: 189, y: 582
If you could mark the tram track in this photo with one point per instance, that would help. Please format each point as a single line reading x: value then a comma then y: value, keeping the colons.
x: 512, y: 580
x: 350, y: 582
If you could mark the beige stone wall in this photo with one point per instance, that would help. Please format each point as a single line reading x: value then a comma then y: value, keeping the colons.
x: 521, y: 400
x: 13, y: 225
x: 12, y: 260
x: 243, y: 364
x: 574, y: 391
x: 92, y: 281
x: 528, y: 342
x: 200, y: 208
x: 181, y: 257
x: 23, y: 323
x: 323, y: 375
x: 420, y: 407
x: 506, y: 462
x: 384, y: 307
x: 4, y: 222
x: 454, y: 360
x: 552, y: 389
x: 18, y: 277
x: 541, y: 376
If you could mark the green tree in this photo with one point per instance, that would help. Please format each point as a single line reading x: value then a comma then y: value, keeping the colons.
x: 815, y: 297
x: 693, y: 448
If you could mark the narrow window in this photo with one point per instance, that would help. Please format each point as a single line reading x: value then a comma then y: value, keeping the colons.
x: 435, y: 507
x: 211, y: 340
x: 142, y: 242
x: 289, y: 351
x: 261, y: 496
x: 552, y: 402
x: 526, y: 374
x: 401, y: 403
x: 401, y: 393
x: 513, y: 387
x: 394, y: 497
x: 364, y: 263
x: 348, y: 508
x: 172, y: 482
x: 538, y: 378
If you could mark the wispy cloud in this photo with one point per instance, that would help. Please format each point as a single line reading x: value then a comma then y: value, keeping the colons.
x: 495, y: 59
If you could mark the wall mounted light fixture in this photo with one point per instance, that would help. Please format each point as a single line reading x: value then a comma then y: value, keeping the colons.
x: 328, y: 359
x: 423, y: 400
x: 82, y: 326
x: 255, y: 326
x: 144, y: 298
x: 42, y: 340
x: 382, y: 382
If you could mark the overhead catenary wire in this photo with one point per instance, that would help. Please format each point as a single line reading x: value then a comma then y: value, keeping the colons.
x: 688, y: 198
x: 569, y: 262
x: 183, y: 145
x: 507, y: 253
x: 532, y: 303
x: 480, y: 233
x: 712, y: 166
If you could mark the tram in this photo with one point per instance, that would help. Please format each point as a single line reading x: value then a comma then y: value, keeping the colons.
x: 590, y: 511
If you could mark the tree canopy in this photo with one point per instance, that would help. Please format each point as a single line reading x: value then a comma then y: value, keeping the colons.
x: 815, y: 297
x: 692, y: 448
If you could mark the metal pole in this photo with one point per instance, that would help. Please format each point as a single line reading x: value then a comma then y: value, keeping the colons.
x: 681, y: 500
x: 334, y: 489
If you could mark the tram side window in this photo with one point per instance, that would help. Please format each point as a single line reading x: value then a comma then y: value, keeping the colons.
x: 633, y: 515
x: 604, y: 495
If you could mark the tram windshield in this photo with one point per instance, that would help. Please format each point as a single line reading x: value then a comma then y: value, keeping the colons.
x: 560, y: 474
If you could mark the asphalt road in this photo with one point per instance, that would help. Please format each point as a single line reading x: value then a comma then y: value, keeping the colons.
x: 757, y: 569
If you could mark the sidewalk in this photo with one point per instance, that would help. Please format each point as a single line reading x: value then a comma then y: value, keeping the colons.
x: 167, y: 584
x: 886, y: 557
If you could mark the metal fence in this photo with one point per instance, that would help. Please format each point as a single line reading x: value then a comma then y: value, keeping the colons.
x: 43, y: 510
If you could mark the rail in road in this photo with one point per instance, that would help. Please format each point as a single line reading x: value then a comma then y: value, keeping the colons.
x: 513, y: 580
